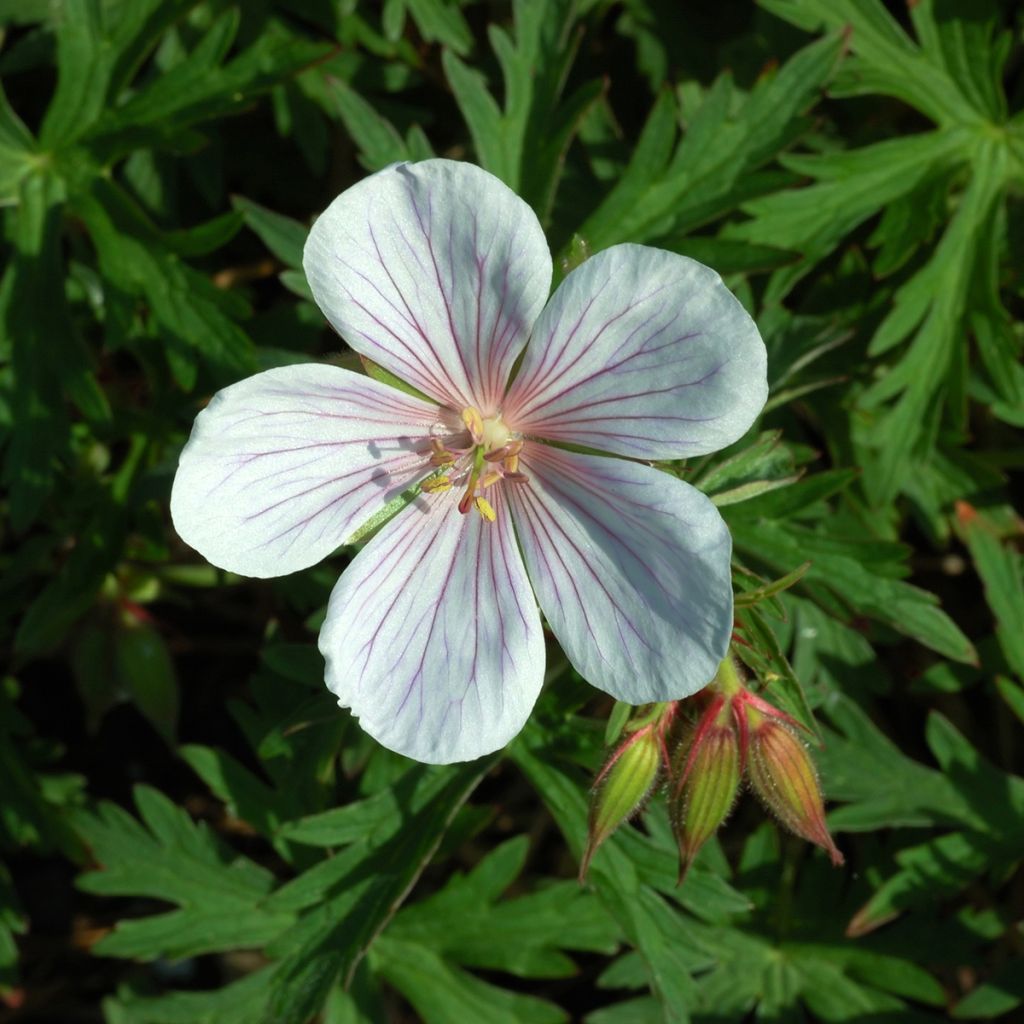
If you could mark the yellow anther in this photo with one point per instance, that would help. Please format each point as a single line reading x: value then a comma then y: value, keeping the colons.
x: 490, y: 478
x: 474, y: 424
x: 484, y: 507
x: 512, y: 464
x: 435, y: 484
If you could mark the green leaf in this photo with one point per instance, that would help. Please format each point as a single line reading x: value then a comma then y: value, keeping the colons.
x: 441, y: 993
x: 765, y: 656
x: 282, y: 235
x: 333, y: 936
x: 853, y: 761
x: 467, y: 923
x: 1001, y: 569
x: 483, y: 118
x: 887, y: 60
x: 998, y: 995
x: 841, y: 568
x: 727, y: 255
x: 934, y: 302
x: 524, y: 141
x: 441, y: 21
x: 762, y: 593
x: 664, y: 191
x: 48, y: 361
x: 789, y: 497
x: 202, y: 86
x: 171, y: 858
x: 378, y: 140
x: 849, y: 187
x: 84, y: 64
x: 343, y: 825
x: 239, y: 1002
x: 146, y: 671
x: 187, y: 307
x: 17, y: 151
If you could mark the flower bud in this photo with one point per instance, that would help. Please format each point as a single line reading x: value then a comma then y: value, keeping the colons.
x: 783, y: 776
x: 622, y: 786
x: 708, y: 783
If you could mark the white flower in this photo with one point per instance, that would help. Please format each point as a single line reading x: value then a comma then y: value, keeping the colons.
x: 439, y: 273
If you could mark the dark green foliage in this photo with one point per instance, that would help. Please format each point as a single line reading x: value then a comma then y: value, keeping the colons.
x: 191, y: 831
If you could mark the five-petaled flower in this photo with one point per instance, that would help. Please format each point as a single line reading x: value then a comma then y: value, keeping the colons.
x: 439, y: 273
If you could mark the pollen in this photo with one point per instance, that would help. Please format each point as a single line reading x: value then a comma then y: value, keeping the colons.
x: 474, y: 424
x: 436, y: 484
x: 484, y: 507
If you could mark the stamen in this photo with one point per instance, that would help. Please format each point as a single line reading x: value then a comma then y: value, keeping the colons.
x: 490, y: 478
x: 516, y: 478
x: 436, y: 484
x: 484, y: 507
x: 512, y: 463
x: 474, y: 424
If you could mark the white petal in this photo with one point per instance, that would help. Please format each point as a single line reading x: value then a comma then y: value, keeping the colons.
x: 631, y: 569
x: 643, y: 353
x: 432, y: 635
x: 435, y: 270
x: 281, y: 468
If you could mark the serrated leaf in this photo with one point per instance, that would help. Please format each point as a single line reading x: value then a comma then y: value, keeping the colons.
x: 888, y: 60
x: 186, y: 305
x: 332, y: 937
x: 1001, y: 569
x: 655, y: 197
x: 524, y: 140
x: 170, y: 858
x: 905, y: 608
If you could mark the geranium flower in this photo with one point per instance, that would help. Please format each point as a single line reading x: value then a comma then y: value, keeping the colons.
x: 439, y: 273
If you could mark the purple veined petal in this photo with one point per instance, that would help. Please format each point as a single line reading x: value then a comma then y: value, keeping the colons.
x: 631, y: 569
x: 643, y: 353
x: 282, y: 467
x: 435, y: 270
x: 433, y: 636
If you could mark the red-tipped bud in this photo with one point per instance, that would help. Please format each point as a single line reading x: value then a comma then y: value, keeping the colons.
x: 708, y: 782
x: 622, y: 786
x: 783, y: 776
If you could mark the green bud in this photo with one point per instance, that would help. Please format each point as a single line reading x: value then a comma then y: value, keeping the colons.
x: 622, y: 787
x: 783, y: 776
x: 708, y: 783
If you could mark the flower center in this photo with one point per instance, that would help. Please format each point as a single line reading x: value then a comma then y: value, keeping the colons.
x: 491, y: 455
x: 494, y: 434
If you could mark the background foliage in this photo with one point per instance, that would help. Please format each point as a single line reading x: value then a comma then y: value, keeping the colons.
x: 191, y: 832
